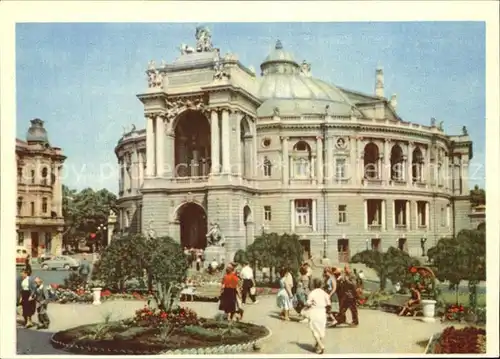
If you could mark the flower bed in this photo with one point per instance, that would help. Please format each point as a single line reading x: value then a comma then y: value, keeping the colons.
x: 469, y: 340
x: 459, y: 313
x: 178, y: 331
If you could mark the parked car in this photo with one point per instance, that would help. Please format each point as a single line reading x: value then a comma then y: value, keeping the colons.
x: 60, y: 262
x: 21, y: 255
x: 44, y: 257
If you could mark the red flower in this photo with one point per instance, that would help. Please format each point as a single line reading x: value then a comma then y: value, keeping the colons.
x: 54, y: 285
x: 413, y: 270
x: 461, y: 308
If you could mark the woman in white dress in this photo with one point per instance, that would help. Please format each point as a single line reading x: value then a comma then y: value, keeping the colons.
x: 284, y: 296
x: 317, y: 301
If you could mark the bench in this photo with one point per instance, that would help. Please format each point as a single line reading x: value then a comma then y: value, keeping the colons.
x: 396, y: 304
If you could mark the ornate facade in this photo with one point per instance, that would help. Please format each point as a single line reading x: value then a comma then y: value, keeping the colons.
x: 39, y: 221
x: 285, y: 152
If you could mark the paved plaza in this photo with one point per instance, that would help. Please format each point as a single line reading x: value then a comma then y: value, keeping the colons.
x: 378, y: 332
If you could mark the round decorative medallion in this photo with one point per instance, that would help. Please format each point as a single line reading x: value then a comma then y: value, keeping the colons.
x: 266, y: 142
x: 341, y: 143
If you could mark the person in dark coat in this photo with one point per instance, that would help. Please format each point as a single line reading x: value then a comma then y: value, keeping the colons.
x: 26, y: 289
x: 42, y: 298
x: 347, y: 297
x: 84, y: 270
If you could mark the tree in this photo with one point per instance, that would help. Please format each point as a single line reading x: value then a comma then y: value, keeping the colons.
x: 271, y: 250
x: 240, y: 256
x: 167, y: 265
x: 392, y: 265
x: 122, y: 260
x: 477, y: 196
x: 461, y: 258
x: 83, y: 211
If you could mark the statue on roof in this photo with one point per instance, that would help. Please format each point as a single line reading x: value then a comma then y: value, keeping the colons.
x: 433, y: 122
x: 305, y: 69
x: 441, y: 126
x: 464, y: 131
x: 203, y: 39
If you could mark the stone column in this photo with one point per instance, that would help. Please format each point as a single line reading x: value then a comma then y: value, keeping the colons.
x: 169, y: 153
x: 215, y: 145
x: 314, y: 211
x: 285, y: 171
x: 380, y: 167
x: 226, y: 145
x: 409, y: 181
x: 141, y: 169
x: 365, y: 220
x: 328, y: 173
x: 312, y: 169
x: 249, y: 160
x: 427, y: 216
x: 254, y: 149
x: 135, y: 171
x: 319, y: 156
x: 195, y: 164
x: 127, y: 185
x: 292, y: 216
x: 160, y: 142
x: 386, y: 176
x: 407, y: 214
x: 464, y: 174
x: 150, y: 146
x: 57, y: 191
x: 239, y: 160
x: 354, y: 170
x: 121, y: 175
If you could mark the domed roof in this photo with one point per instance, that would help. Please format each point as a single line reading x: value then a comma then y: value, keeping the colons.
x: 289, y: 87
x: 36, y: 132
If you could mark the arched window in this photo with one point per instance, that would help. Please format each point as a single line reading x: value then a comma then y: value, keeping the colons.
x: 45, y: 173
x: 397, y: 168
x: 267, y: 167
x: 371, y: 161
x: 302, y: 160
x: 417, y: 165
x: 19, y: 205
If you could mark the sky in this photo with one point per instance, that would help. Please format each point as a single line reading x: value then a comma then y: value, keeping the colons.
x: 82, y: 79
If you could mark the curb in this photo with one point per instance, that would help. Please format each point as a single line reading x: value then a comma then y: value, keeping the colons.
x: 221, y: 349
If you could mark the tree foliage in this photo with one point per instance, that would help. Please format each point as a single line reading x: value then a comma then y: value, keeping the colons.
x: 392, y: 265
x: 84, y: 211
x: 461, y: 258
x: 271, y: 250
x: 161, y: 259
x: 477, y: 196
x: 240, y: 256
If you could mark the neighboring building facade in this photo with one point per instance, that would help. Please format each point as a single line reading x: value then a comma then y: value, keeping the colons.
x: 286, y: 152
x: 39, y: 221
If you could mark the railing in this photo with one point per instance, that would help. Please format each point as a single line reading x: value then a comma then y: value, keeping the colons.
x: 375, y: 227
x: 39, y: 221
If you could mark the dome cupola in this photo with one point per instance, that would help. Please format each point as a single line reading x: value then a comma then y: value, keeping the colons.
x: 279, y: 61
x: 36, y: 132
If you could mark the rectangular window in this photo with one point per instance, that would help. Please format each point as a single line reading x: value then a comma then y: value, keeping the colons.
x: 32, y: 209
x: 374, y: 212
x: 20, y: 174
x: 342, y: 213
x: 267, y: 213
x: 422, y: 213
x: 32, y: 176
x: 301, y: 167
x: 443, y: 216
x: 19, y: 206
x: 303, y: 212
x: 400, y: 213
x: 340, y: 172
x: 44, y: 205
x: 20, y: 238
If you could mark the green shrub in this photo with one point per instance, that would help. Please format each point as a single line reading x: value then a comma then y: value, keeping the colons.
x: 73, y: 281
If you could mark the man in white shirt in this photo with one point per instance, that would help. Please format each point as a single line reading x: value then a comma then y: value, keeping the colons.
x: 246, y: 274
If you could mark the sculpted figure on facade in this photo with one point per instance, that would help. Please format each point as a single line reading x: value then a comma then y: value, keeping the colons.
x: 433, y: 122
x: 150, y: 232
x: 464, y: 131
x: 186, y: 49
x: 203, y: 39
x: 305, y: 69
x: 276, y: 111
x: 215, y: 236
x: 441, y: 126
x: 220, y: 72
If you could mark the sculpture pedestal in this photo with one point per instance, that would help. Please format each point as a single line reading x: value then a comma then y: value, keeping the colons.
x: 215, y: 252
x: 429, y: 310
x: 96, y: 296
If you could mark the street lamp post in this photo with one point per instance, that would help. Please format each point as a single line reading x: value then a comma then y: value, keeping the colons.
x: 101, y: 229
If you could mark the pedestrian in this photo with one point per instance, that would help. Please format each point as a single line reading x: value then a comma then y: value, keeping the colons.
x: 42, y: 297
x: 228, y: 301
x: 248, y: 288
x: 329, y: 275
x: 317, y: 301
x: 284, y: 296
x: 198, y: 260
x: 347, y: 297
x: 303, y: 290
x: 84, y: 270
x: 27, y: 265
x: 239, y: 302
x: 26, y: 297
